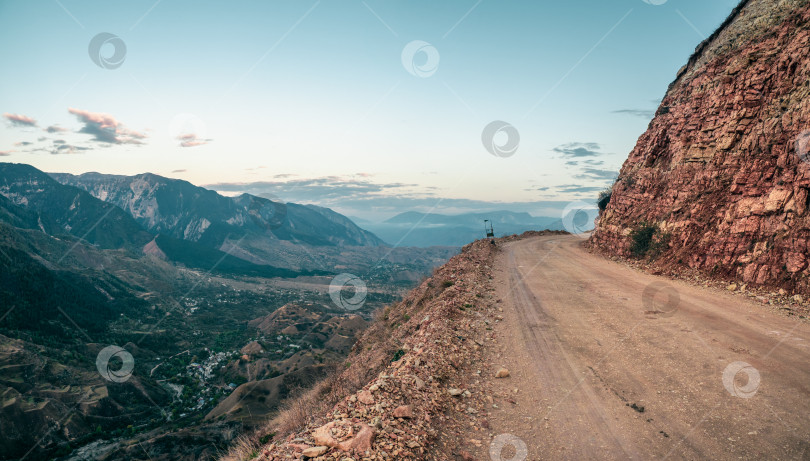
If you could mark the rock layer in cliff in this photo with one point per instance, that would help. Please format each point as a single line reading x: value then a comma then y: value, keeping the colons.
x: 723, y: 170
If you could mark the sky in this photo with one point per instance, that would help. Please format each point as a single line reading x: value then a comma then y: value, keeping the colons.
x: 368, y: 107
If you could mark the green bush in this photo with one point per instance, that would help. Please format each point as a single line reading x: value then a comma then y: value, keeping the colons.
x: 647, y: 240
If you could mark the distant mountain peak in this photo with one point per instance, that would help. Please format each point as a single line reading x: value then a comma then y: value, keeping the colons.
x: 182, y: 210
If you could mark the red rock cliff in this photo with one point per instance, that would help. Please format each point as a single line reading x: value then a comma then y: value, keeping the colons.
x: 724, y: 165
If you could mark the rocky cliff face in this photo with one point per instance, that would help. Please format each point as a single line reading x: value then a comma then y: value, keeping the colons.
x: 724, y: 168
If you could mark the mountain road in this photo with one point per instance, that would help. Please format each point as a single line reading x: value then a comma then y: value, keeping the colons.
x: 608, y: 362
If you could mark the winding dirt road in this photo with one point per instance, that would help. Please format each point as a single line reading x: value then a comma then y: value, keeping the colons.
x: 610, y: 363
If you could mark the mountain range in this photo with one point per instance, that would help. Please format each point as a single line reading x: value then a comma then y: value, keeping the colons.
x: 182, y: 210
x: 417, y: 229
x: 191, y: 225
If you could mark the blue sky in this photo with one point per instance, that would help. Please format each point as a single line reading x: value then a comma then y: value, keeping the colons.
x: 310, y: 100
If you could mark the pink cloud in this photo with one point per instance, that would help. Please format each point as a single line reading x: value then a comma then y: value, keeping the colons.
x: 106, y: 128
x: 5, y: 153
x: 20, y: 119
x: 191, y: 140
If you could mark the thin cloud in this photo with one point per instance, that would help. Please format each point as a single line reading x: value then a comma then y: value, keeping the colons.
x: 597, y: 174
x: 579, y: 149
x: 643, y: 113
x: 578, y: 188
x: 55, y: 129
x: 316, y: 189
x: 5, y: 153
x: 20, y: 119
x: 359, y: 197
x: 105, y: 128
x: 64, y: 149
x: 178, y: 171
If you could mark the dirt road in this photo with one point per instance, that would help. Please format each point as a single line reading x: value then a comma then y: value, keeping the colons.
x: 610, y: 363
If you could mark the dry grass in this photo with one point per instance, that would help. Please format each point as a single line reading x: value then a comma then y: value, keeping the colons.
x: 243, y: 449
x: 293, y: 415
x: 297, y: 411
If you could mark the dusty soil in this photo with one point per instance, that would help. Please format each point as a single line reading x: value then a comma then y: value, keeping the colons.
x: 607, y: 362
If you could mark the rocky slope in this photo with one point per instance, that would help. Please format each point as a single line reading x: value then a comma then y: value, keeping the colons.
x: 722, y: 171
x: 408, y: 375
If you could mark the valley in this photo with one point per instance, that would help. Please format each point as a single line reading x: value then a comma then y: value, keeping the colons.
x: 109, y: 340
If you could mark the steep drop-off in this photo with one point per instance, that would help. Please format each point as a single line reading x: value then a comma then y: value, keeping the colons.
x: 723, y: 169
x: 405, y: 390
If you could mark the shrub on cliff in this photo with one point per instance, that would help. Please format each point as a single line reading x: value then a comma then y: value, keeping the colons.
x: 604, y: 198
x: 648, y: 240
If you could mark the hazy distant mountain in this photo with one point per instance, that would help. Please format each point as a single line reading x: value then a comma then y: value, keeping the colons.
x: 182, y: 210
x: 429, y: 229
x: 472, y: 219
